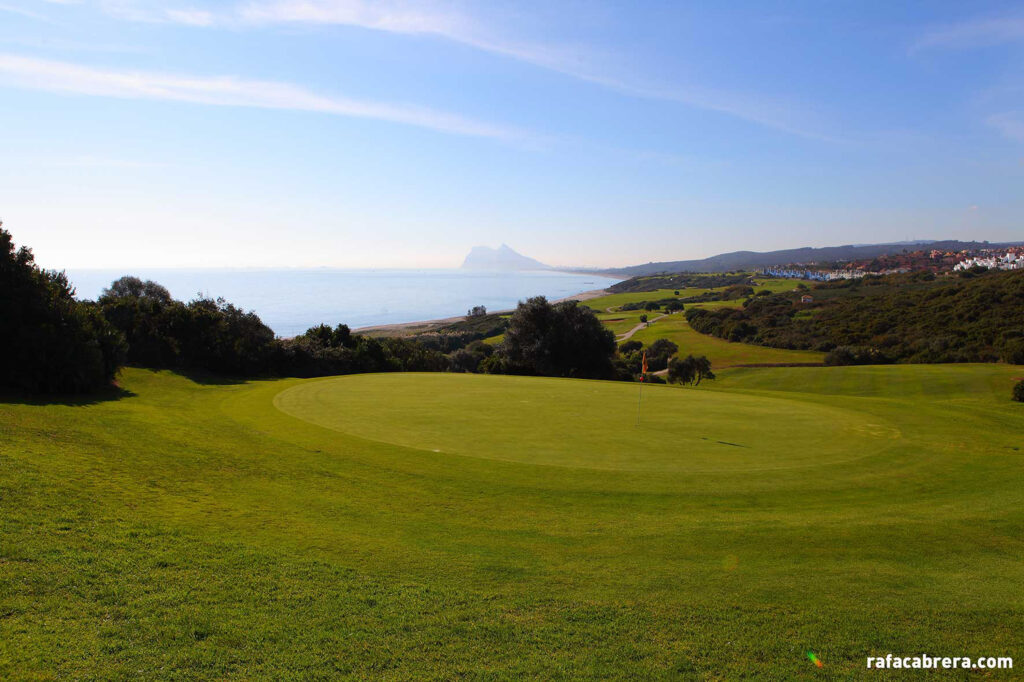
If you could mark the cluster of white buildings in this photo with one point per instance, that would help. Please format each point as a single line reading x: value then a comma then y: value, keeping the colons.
x: 1011, y: 261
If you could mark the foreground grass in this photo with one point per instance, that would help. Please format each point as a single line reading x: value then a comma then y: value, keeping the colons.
x: 198, y: 531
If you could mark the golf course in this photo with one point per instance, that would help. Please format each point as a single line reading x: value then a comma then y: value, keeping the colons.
x: 441, y: 525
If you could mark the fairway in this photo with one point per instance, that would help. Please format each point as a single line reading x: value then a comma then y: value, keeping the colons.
x: 432, y: 526
x: 587, y: 424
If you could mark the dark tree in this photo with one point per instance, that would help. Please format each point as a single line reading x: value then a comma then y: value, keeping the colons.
x: 565, y: 340
x: 627, y: 347
x: 142, y: 311
x: 658, y: 354
x: 133, y: 287
x: 1018, y: 391
x: 50, y: 343
x: 690, y: 370
x: 477, y: 311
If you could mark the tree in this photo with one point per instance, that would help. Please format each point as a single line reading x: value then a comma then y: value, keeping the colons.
x: 658, y: 354
x: 690, y: 370
x: 142, y: 312
x: 50, y: 343
x: 565, y: 339
x: 627, y: 347
x: 1018, y: 391
x: 477, y: 311
x: 643, y: 318
x: 133, y: 287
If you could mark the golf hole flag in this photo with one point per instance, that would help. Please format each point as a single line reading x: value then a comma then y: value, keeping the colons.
x: 643, y: 366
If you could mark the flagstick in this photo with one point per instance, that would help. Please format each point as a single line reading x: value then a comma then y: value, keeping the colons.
x: 639, y: 399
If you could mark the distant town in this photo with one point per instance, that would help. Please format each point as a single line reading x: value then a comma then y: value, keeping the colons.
x: 933, y: 260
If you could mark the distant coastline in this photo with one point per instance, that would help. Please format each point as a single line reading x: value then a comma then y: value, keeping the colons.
x: 291, y: 300
x: 415, y: 327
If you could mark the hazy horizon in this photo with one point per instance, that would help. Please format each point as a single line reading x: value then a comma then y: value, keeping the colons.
x: 355, y: 134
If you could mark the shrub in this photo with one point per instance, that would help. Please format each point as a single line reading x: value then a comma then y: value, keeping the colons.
x: 51, y: 343
x: 565, y: 339
x: 1018, y: 391
x: 855, y: 355
x: 630, y: 346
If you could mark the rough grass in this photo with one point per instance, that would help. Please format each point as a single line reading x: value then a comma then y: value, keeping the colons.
x: 194, y: 530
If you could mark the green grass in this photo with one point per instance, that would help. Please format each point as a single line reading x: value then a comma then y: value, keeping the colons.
x: 675, y: 328
x: 722, y: 353
x: 197, y: 531
x: 602, y: 303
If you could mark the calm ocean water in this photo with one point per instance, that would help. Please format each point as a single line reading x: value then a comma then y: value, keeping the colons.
x: 291, y: 301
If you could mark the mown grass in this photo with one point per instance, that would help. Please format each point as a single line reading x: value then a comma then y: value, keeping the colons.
x: 675, y: 328
x: 193, y: 530
x: 722, y: 353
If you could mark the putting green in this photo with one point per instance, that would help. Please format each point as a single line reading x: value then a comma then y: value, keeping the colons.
x: 587, y: 424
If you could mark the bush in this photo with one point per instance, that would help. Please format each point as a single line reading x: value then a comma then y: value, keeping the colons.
x: 1013, y: 352
x: 855, y: 355
x: 565, y: 339
x: 690, y: 370
x: 1018, y: 391
x: 630, y: 346
x: 50, y: 342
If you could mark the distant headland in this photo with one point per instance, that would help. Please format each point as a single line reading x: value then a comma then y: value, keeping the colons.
x: 501, y: 258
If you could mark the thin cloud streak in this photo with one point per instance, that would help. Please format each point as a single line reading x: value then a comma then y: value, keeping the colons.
x: 985, y: 32
x: 65, y: 77
x: 408, y: 19
x: 1010, y: 124
x: 425, y: 19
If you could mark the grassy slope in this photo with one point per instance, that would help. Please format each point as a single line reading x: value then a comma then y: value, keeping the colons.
x: 195, y: 530
x: 675, y: 328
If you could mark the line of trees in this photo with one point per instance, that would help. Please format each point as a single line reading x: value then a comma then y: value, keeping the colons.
x: 50, y: 342
x: 53, y: 343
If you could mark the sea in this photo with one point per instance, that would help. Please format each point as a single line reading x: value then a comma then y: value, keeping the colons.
x: 290, y: 301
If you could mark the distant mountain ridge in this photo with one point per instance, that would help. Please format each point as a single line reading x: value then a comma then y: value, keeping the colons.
x: 746, y: 260
x: 501, y: 258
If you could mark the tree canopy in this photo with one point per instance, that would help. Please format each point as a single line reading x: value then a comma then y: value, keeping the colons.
x: 50, y: 342
x: 564, y: 340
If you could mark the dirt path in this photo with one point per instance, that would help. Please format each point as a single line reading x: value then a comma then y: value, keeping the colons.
x: 634, y: 330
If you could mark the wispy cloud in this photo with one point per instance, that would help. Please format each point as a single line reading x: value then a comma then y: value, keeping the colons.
x: 448, y: 22
x: 424, y: 18
x: 66, y: 77
x: 982, y: 32
x: 22, y: 12
x: 1009, y: 123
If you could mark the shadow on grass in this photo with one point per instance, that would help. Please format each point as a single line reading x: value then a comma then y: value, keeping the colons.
x: 206, y: 378
x: 103, y: 395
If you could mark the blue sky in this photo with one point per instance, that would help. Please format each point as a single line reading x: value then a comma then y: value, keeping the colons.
x: 354, y: 133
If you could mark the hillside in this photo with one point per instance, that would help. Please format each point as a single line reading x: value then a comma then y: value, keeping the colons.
x: 501, y: 258
x: 748, y: 260
x: 914, y: 317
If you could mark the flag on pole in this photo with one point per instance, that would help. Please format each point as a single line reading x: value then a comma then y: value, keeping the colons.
x: 643, y: 366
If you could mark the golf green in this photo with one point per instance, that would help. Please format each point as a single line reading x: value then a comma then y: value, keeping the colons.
x: 439, y: 526
x: 588, y: 424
